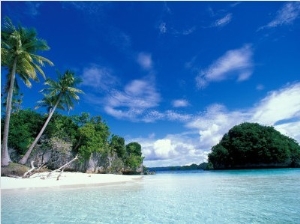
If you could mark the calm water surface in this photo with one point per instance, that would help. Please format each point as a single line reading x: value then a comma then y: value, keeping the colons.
x: 245, y: 196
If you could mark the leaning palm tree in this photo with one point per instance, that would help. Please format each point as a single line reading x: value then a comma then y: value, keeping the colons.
x: 18, y: 55
x: 59, y: 94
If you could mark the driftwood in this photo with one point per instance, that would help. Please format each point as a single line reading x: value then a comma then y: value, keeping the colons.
x: 29, y: 172
x: 41, y: 167
x: 61, y: 169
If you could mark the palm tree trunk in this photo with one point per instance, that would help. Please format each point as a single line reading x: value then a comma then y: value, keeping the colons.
x: 5, y: 159
x: 26, y: 156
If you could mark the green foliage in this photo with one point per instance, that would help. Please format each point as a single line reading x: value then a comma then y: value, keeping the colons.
x: 251, y: 144
x: 93, y: 137
x: 59, y: 94
x: 134, y: 148
x: 84, y: 134
x: 62, y: 127
x: 16, y: 102
x: 24, y: 126
x: 18, y: 55
x: 117, y: 145
x: 19, y: 45
x: 64, y: 91
x: 133, y: 155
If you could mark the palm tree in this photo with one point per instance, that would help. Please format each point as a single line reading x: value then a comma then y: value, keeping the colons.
x: 18, y: 55
x: 60, y: 94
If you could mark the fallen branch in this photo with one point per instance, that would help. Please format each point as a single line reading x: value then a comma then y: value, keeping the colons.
x: 41, y: 167
x: 61, y: 169
x: 29, y: 172
x: 60, y: 174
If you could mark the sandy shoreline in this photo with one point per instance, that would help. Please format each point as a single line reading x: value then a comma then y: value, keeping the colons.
x: 67, y: 179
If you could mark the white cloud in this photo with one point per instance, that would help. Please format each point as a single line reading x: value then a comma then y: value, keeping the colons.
x: 99, y: 78
x: 215, y: 122
x: 174, y: 116
x: 164, y: 149
x: 291, y: 129
x: 180, y: 103
x: 133, y: 101
x: 144, y: 60
x: 278, y: 105
x: 286, y: 15
x: 280, y: 108
x: 189, y: 31
x: 152, y: 116
x: 162, y: 27
x: 236, y: 62
x: 223, y: 21
x: 170, y: 115
x: 171, y: 150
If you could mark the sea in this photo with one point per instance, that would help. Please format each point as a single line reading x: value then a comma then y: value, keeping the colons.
x: 237, y: 196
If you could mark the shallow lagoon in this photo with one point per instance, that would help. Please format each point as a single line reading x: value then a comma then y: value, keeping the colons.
x: 239, y: 196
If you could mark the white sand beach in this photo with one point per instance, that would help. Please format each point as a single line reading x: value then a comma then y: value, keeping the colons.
x: 67, y: 179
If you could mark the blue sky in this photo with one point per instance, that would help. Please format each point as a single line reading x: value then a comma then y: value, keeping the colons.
x: 173, y: 76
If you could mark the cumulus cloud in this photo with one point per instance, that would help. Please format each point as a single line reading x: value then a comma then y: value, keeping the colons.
x: 280, y: 105
x: 171, y: 150
x: 144, y: 60
x: 180, y: 103
x: 286, y: 15
x: 213, y: 123
x: 280, y: 108
x: 237, y: 62
x: 223, y: 21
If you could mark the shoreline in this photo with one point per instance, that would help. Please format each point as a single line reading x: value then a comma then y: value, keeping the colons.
x: 67, y: 179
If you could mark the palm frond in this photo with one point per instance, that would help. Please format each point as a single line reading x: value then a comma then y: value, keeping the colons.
x: 22, y: 44
x: 65, y: 87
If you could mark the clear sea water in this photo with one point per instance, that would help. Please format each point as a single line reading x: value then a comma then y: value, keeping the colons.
x: 240, y: 196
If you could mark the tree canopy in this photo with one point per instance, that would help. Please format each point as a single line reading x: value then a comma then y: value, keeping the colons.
x: 253, y: 145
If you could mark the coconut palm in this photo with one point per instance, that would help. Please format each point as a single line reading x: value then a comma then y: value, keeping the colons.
x: 18, y: 55
x: 60, y: 94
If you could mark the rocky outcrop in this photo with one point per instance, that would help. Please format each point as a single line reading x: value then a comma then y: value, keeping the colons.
x: 56, y: 152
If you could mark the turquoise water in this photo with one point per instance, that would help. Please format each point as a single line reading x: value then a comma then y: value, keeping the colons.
x: 246, y: 196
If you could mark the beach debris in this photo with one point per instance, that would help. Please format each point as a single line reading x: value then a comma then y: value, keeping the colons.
x: 29, y: 172
x: 61, y: 169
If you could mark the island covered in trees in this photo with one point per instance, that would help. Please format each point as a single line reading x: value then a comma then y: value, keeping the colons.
x: 248, y: 145
x: 251, y: 145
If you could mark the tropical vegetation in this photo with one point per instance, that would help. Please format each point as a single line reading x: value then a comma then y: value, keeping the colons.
x: 254, y: 145
x: 60, y: 94
x: 66, y: 136
x: 18, y: 55
x: 54, y: 139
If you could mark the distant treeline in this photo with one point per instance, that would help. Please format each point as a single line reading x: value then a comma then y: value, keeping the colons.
x: 201, y: 166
